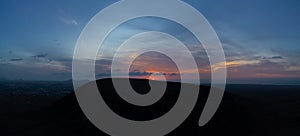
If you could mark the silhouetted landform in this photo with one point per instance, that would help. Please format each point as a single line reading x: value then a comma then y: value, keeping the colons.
x: 26, y: 96
x: 245, y: 110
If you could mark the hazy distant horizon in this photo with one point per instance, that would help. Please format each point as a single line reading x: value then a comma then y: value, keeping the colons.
x: 261, y: 81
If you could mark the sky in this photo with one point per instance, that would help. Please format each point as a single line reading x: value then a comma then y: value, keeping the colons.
x: 260, y: 38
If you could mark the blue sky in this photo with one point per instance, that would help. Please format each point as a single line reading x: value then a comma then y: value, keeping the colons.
x: 260, y: 37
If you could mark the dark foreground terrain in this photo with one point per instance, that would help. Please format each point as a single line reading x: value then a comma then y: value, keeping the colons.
x: 247, y: 110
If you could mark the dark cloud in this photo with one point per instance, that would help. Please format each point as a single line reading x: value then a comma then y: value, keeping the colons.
x: 104, y: 74
x: 40, y: 56
x: 270, y: 58
x: 65, y: 74
x: 138, y: 73
x: 173, y: 74
x: 135, y: 73
x: 104, y: 61
x: 67, y: 60
x: 43, y: 57
x: 277, y: 57
x: 19, y: 59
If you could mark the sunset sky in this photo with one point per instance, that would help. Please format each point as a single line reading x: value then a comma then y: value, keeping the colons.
x: 261, y: 39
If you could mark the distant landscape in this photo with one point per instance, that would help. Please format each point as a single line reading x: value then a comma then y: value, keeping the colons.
x: 50, y: 108
x: 252, y: 47
x: 24, y: 96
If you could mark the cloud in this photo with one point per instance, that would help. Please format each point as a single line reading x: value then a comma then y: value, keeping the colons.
x: 293, y: 68
x: 104, y: 74
x: 270, y: 58
x: 64, y: 74
x: 277, y: 57
x: 138, y: 73
x: 135, y: 73
x: 40, y: 56
x: 237, y: 63
x: 19, y: 59
x: 34, y: 71
x: 145, y: 73
x: 69, y: 21
x: 241, y: 62
x: 66, y: 19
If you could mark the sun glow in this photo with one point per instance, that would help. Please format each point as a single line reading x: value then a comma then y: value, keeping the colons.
x: 157, y: 76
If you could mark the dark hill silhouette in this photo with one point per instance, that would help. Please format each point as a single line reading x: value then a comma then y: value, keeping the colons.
x: 236, y: 115
x: 66, y: 117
